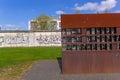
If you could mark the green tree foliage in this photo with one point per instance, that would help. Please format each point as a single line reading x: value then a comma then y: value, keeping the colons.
x: 34, y: 25
x: 77, y: 11
x: 106, y: 10
x: 43, y: 22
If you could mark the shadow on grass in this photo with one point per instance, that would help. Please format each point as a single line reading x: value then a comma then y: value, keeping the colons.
x: 59, y: 59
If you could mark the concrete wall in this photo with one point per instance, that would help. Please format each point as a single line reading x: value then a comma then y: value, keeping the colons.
x: 29, y: 38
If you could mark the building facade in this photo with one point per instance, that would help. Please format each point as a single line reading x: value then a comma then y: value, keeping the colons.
x: 90, y: 43
x: 55, y: 24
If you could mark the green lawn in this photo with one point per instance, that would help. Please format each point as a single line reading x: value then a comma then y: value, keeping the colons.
x: 13, y: 56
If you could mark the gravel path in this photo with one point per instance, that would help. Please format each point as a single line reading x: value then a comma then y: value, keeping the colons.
x: 51, y: 70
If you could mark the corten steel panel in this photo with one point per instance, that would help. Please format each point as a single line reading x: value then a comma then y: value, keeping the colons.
x: 79, y: 62
x: 90, y: 20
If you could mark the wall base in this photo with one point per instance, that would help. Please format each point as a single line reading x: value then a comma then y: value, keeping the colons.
x: 79, y: 62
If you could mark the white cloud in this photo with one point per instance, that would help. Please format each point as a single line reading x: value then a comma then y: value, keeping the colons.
x: 9, y: 27
x: 76, y: 4
x: 87, y: 6
x: 60, y: 12
x: 108, y: 4
x: 104, y: 4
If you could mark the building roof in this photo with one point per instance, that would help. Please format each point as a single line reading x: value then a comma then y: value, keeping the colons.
x: 90, y: 20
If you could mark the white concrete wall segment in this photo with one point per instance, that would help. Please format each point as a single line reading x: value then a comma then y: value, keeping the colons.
x: 29, y: 38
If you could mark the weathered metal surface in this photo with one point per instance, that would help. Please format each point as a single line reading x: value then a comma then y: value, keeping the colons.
x: 79, y: 62
x: 96, y: 59
x: 90, y: 20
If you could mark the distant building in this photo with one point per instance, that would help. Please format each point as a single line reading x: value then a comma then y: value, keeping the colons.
x: 32, y: 25
x: 54, y: 24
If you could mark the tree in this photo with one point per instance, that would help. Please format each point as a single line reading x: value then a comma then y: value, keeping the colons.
x: 34, y: 25
x: 77, y: 11
x: 43, y: 22
x: 106, y: 10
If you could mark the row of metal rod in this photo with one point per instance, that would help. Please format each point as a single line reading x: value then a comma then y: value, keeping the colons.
x: 111, y: 38
x: 98, y: 30
x: 90, y: 47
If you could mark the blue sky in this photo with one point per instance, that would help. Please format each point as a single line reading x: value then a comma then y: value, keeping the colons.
x: 15, y: 14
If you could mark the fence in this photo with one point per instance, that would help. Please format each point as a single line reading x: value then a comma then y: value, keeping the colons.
x: 29, y: 38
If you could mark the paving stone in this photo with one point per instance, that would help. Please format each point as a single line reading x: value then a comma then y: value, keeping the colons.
x: 51, y: 70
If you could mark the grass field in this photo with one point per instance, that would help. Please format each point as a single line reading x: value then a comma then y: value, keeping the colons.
x: 15, y: 62
x: 13, y: 56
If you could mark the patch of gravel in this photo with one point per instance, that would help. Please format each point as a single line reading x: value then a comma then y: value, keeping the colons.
x: 2, y: 71
x: 51, y: 70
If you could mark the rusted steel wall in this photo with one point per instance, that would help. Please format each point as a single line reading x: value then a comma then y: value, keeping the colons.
x: 79, y: 62
x: 90, y: 20
x: 76, y: 61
